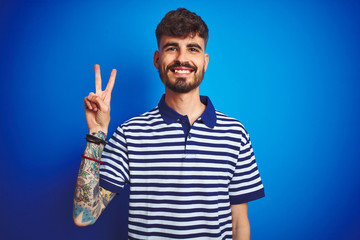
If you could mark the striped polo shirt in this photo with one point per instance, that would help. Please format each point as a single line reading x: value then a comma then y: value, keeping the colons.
x: 182, y: 178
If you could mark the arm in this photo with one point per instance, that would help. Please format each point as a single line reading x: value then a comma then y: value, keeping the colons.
x: 90, y: 199
x: 240, y: 222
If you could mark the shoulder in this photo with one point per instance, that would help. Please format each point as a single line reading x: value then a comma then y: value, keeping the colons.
x: 224, y: 120
x: 231, y: 125
x: 136, y: 124
x: 147, y: 118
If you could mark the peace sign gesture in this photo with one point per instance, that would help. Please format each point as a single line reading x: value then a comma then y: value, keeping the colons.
x: 97, y: 105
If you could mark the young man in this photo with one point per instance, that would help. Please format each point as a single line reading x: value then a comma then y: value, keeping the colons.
x: 191, y: 169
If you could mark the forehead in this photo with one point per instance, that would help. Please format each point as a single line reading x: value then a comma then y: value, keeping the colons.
x: 183, y: 41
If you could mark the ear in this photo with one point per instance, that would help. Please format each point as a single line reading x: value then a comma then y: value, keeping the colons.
x: 156, y: 59
x: 206, y: 61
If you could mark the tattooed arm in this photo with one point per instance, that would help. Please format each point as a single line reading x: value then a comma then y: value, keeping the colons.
x: 90, y: 199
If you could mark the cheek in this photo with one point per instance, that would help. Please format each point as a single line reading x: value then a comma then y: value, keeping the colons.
x: 166, y: 60
x: 201, y: 63
x: 161, y: 62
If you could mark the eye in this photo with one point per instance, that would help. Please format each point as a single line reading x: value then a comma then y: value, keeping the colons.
x: 171, y: 49
x: 193, y: 50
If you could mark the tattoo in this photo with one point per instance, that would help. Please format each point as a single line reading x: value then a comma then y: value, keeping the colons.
x: 86, y: 214
x: 90, y: 199
x: 106, y: 195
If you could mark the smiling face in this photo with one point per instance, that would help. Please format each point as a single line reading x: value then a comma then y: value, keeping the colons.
x: 181, y: 62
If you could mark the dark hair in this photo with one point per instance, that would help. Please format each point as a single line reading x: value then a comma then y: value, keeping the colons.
x: 182, y: 23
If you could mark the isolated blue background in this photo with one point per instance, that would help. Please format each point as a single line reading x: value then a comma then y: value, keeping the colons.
x: 289, y: 70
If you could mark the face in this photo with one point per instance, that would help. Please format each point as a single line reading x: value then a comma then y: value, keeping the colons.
x: 181, y: 62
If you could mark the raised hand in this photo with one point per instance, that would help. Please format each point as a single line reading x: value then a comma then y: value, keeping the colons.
x: 97, y: 105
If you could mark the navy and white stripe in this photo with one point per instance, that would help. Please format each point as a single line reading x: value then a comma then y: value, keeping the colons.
x: 182, y: 179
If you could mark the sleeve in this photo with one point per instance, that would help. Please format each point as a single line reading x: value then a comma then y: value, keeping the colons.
x: 114, y: 171
x: 246, y: 184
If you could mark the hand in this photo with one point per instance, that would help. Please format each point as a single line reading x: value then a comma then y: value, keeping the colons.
x: 97, y: 105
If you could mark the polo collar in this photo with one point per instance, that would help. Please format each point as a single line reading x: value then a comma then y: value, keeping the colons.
x: 171, y: 116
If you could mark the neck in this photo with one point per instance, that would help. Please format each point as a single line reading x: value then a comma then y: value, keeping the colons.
x: 185, y: 103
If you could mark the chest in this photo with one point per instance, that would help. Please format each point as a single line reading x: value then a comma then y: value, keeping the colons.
x: 169, y: 151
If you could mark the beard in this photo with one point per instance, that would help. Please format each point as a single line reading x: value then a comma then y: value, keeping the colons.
x: 182, y: 84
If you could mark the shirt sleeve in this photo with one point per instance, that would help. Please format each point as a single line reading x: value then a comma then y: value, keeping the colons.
x: 246, y: 184
x: 114, y: 171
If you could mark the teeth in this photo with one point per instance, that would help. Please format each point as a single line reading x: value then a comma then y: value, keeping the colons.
x: 182, y: 71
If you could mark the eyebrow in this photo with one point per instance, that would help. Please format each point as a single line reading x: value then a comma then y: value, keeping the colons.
x: 195, y: 45
x: 174, y: 44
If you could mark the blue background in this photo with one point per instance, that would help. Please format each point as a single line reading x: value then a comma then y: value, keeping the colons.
x: 289, y: 70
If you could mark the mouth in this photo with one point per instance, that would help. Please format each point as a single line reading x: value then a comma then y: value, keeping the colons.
x: 181, y: 70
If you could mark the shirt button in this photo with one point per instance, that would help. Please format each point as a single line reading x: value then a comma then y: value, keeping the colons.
x: 189, y: 136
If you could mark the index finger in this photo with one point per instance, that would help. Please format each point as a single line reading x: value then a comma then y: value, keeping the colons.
x: 97, y: 78
x: 110, y: 84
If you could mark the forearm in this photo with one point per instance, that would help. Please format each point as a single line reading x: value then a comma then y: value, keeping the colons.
x: 89, y: 199
x: 241, y: 232
x: 240, y: 222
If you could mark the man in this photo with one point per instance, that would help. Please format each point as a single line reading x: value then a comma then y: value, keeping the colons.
x: 191, y: 169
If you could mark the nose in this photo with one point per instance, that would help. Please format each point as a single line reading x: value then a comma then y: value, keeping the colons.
x: 181, y: 56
